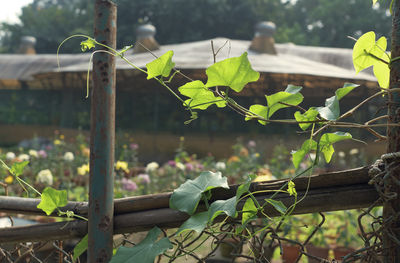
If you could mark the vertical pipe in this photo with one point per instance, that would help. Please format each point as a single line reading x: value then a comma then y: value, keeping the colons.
x: 102, y: 137
x: 391, y: 208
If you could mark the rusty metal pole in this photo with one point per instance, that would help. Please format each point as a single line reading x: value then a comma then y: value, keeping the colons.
x: 391, y: 207
x: 102, y: 136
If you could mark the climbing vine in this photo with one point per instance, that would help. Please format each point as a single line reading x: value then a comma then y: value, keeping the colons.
x: 236, y: 217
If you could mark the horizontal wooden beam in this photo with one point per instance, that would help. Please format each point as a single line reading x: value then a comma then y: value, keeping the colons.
x: 316, y: 200
x: 18, y: 205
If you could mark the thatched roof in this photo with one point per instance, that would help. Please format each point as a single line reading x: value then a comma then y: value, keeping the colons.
x: 320, y: 62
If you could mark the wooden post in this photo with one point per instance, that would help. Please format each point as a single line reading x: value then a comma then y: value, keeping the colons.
x: 391, y: 208
x: 102, y: 137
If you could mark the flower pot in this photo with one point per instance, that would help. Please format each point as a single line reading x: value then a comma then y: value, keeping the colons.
x: 290, y: 253
x: 321, y: 252
x: 340, y: 252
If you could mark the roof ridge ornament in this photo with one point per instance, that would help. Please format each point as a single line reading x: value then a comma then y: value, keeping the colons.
x: 145, y: 38
x: 263, y: 41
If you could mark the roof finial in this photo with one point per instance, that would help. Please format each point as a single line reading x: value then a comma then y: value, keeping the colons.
x: 263, y: 40
x: 145, y: 37
x: 27, y: 45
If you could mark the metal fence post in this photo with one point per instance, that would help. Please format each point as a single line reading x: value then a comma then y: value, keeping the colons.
x: 102, y: 137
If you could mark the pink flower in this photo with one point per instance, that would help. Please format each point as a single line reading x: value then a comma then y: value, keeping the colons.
x: 42, y: 154
x: 189, y: 167
x: 128, y: 185
x: 172, y: 163
x: 251, y: 144
x: 144, y: 178
x: 134, y: 146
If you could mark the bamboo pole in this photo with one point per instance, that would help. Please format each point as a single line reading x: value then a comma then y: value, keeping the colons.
x: 19, y: 205
x: 316, y: 200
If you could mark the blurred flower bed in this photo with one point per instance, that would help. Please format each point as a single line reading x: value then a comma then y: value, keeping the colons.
x: 64, y: 164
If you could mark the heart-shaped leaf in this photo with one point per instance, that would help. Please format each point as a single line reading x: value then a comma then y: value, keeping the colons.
x: 17, y: 168
x: 310, y: 115
x: 232, y: 72
x: 188, y: 195
x: 200, y: 97
x: 80, y: 247
x: 249, y: 211
x: 227, y: 207
x: 328, y: 139
x: 196, y: 222
x: 144, y: 252
x: 366, y: 51
x: 51, y: 199
x: 307, y: 146
x: 161, y: 66
x: 278, y: 205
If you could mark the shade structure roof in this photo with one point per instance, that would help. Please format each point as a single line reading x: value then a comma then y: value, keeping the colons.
x: 312, y: 62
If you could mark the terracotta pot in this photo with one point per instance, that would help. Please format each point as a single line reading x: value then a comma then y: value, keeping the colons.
x: 321, y: 252
x: 290, y: 253
x: 340, y: 252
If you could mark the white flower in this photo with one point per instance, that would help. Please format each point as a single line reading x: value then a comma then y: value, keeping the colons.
x: 151, y: 167
x: 45, y: 177
x: 10, y: 156
x: 220, y: 166
x: 68, y: 156
x: 312, y: 156
x: 354, y: 151
x: 23, y: 157
x: 341, y: 154
x: 180, y: 166
x: 33, y: 153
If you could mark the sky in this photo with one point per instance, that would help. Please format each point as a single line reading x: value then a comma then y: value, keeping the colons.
x: 10, y: 10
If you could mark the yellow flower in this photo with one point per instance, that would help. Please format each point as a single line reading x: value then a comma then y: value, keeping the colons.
x: 83, y: 169
x: 57, y: 142
x: 124, y: 146
x: 233, y: 159
x: 120, y: 165
x: 86, y: 152
x: 9, y: 179
x: 62, y: 137
x: 244, y: 152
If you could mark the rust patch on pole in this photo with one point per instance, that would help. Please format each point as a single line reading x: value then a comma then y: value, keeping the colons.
x: 391, y: 208
x: 102, y: 137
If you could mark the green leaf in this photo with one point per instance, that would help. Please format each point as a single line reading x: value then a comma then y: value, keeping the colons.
x: 88, y: 44
x: 328, y: 139
x: 382, y: 74
x: 80, y: 247
x: 17, y: 168
x: 364, y: 47
x: 331, y: 111
x: 144, y: 252
x: 227, y: 207
x: 289, y: 96
x: 196, y: 222
x: 200, y: 96
x: 232, y: 72
x: 292, y: 188
x: 298, y: 156
x: 161, y: 66
x: 310, y: 115
x: 259, y: 110
x: 249, y: 211
x: 188, y: 195
x: 278, y: 205
x: 51, y: 199
x: 244, y: 188
x: 347, y: 87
